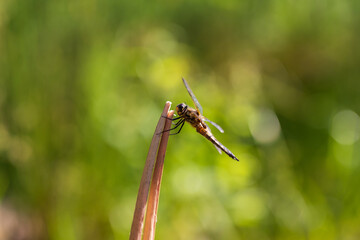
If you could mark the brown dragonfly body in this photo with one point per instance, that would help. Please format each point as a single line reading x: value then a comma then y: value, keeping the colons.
x: 195, y: 118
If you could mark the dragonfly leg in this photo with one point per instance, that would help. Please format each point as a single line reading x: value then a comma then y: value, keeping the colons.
x: 172, y: 119
x: 179, y: 129
x: 176, y: 126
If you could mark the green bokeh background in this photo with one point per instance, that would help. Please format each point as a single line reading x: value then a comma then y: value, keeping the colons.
x: 82, y: 85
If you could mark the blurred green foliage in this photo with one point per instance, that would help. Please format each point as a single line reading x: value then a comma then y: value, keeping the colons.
x: 82, y: 85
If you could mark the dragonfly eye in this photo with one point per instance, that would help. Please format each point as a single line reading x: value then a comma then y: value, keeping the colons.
x: 181, y: 108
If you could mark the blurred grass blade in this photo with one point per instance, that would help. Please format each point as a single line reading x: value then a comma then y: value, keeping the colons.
x: 153, y: 202
x: 140, y: 207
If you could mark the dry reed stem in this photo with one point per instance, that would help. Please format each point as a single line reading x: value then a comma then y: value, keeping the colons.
x: 153, y: 202
x: 140, y: 207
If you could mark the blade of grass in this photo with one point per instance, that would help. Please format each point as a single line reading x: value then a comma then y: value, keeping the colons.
x: 153, y: 202
x: 140, y: 207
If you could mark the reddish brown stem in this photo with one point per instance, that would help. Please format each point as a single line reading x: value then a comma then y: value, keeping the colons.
x: 140, y: 207
x: 153, y: 202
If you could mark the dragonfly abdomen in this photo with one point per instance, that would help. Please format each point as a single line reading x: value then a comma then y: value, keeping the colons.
x: 212, y: 139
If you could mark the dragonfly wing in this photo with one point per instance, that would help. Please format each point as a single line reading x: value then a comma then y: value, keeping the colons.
x: 219, y: 150
x: 214, y: 124
x: 196, y: 102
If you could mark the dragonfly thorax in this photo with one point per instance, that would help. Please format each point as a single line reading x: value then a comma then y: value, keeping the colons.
x: 181, y: 109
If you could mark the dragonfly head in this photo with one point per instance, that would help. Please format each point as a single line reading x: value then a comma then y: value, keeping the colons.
x: 181, y: 109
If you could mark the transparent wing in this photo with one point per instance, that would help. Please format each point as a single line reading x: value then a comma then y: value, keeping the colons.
x: 214, y: 124
x: 196, y: 102
x: 219, y: 150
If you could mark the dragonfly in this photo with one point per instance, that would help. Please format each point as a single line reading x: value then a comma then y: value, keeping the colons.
x: 196, y: 119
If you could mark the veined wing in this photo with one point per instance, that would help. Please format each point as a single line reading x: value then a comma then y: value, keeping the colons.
x: 214, y: 124
x: 196, y: 102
